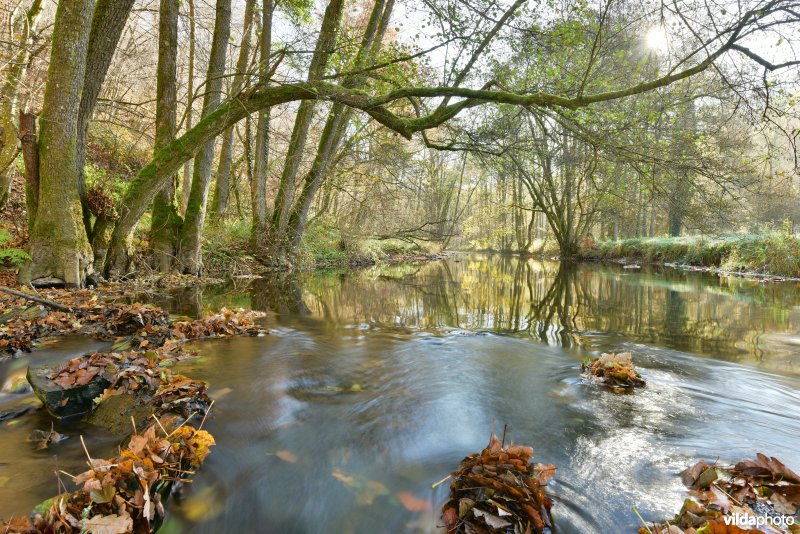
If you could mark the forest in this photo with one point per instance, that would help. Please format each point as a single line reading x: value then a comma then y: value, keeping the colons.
x: 615, y: 183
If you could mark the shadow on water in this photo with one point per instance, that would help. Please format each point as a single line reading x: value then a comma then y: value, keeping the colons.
x: 375, y: 383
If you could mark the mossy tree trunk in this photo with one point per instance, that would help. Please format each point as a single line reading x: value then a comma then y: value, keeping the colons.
x: 194, y: 220
x: 165, y: 222
x: 59, y: 244
x: 187, y: 167
x: 335, y: 127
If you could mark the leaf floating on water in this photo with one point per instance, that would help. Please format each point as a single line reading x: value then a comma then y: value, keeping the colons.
x: 287, y: 456
x: 365, y: 490
x: 412, y: 503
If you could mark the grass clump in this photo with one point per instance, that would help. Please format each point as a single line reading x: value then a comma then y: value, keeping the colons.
x: 774, y: 251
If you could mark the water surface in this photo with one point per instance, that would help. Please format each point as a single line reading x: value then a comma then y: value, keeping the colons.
x: 375, y: 383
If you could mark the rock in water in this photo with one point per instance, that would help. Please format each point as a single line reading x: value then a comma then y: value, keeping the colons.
x: 63, y: 403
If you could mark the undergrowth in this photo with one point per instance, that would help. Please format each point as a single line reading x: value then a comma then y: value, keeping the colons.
x: 774, y: 251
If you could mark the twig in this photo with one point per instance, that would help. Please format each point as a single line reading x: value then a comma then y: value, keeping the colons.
x: 186, y: 421
x: 89, y: 456
x: 159, y: 424
x: 641, y: 519
x: 445, y: 479
x: 206, y: 415
x: 48, y: 303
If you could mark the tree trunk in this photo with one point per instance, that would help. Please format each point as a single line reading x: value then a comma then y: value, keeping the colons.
x: 108, y: 22
x: 30, y: 155
x: 13, y: 72
x: 194, y: 219
x: 165, y: 222
x: 222, y: 190
x: 60, y: 249
x: 258, y: 183
x: 187, y: 167
x: 284, y: 197
x: 335, y: 126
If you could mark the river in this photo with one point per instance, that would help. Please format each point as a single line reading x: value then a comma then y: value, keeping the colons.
x: 375, y: 383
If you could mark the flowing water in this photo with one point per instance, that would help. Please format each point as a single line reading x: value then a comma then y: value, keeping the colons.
x: 374, y: 384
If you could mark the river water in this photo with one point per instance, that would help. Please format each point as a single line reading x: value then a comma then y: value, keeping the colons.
x: 374, y: 384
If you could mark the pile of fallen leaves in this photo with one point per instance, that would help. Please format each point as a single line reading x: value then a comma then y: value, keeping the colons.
x: 124, y: 494
x: 227, y: 322
x: 758, y: 488
x: 144, y: 324
x: 499, y: 490
x: 613, y: 370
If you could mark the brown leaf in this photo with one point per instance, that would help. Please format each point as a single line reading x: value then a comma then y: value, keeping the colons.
x: 782, y: 505
x: 690, y: 474
x: 491, y: 519
x: 286, y: 456
x: 412, y: 503
x: 109, y: 524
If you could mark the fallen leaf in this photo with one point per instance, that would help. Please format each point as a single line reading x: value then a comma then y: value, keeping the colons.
x: 412, y: 503
x: 491, y: 519
x: 287, y: 456
x: 109, y: 524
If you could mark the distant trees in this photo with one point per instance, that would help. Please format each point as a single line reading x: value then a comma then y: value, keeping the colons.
x: 562, y: 79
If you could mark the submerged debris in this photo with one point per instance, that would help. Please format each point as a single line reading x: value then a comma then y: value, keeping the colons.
x: 124, y: 494
x: 613, y: 370
x: 499, y: 490
x: 761, y: 495
x: 44, y: 438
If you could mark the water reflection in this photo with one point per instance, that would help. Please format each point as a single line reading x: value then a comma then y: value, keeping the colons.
x: 589, y: 305
x: 379, y: 381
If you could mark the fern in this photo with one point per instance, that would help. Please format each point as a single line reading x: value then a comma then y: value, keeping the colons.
x: 8, y: 255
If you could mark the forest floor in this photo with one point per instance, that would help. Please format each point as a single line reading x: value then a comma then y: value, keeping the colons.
x: 772, y: 255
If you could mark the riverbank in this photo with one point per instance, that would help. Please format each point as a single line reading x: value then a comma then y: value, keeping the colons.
x: 770, y: 254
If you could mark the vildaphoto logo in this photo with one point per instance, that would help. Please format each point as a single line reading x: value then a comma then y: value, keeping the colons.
x: 747, y: 520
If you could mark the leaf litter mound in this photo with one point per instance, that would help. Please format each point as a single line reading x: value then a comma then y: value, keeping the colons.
x: 759, y: 489
x: 124, y: 494
x: 615, y: 371
x: 499, y: 490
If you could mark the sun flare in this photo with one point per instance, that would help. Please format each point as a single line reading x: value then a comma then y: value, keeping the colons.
x: 656, y: 39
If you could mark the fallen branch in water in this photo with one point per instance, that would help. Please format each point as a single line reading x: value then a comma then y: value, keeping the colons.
x: 38, y: 300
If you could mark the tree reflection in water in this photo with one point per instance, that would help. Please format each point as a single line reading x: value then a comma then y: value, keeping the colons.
x: 597, y: 307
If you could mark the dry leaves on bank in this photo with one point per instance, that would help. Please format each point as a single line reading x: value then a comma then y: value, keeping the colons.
x: 499, y: 490
x: 613, y: 370
x: 144, y: 325
x: 759, y: 487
